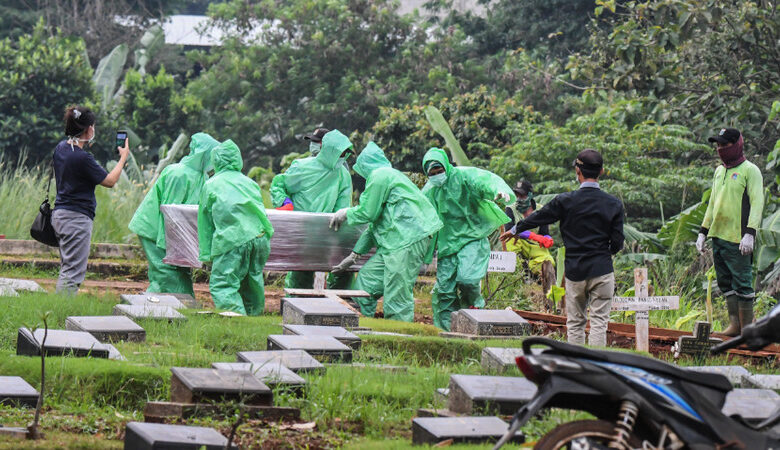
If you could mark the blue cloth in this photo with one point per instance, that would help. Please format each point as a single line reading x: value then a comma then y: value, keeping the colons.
x: 77, y: 174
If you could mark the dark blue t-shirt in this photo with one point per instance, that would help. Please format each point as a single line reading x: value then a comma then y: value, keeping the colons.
x: 77, y: 174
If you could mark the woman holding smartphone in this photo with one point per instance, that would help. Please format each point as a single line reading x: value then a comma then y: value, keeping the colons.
x: 77, y: 173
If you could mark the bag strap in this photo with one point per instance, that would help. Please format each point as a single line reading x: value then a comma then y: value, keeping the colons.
x: 51, y: 175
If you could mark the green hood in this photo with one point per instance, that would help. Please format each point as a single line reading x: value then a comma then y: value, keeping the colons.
x: 199, y: 159
x: 227, y: 156
x: 333, y: 145
x: 371, y: 158
x: 436, y: 155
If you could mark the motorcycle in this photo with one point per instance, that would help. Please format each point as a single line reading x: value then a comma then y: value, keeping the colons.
x: 639, y: 402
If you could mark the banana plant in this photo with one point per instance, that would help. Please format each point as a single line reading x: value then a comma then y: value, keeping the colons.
x: 108, y: 72
x: 684, y: 227
x: 441, y: 126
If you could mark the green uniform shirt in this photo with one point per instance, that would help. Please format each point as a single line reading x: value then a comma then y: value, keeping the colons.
x: 736, y: 202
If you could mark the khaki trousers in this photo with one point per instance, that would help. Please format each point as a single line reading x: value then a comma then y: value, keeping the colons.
x: 596, y: 294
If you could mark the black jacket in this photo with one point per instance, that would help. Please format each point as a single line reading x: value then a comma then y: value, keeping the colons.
x: 591, y: 226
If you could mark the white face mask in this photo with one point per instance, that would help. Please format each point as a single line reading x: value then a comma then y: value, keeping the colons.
x: 438, y: 180
x: 314, y: 148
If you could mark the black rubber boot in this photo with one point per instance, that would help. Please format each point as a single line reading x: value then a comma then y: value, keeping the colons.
x: 734, y: 328
x: 745, y: 313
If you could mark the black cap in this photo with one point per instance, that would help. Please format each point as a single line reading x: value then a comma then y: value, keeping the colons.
x: 726, y: 136
x: 317, y: 135
x: 523, y: 188
x: 590, y: 160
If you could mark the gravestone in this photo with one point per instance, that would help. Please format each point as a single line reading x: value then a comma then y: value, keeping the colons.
x: 700, y: 343
x: 761, y: 381
x: 322, y: 348
x: 378, y: 333
x: 733, y: 373
x: 21, y: 285
x: 107, y: 328
x: 60, y: 342
x: 7, y: 291
x: 199, y: 385
x: 273, y: 374
x: 432, y: 430
x: 188, y: 300
x: 340, y: 333
x: 754, y: 405
x: 149, y: 436
x: 325, y: 311
x: 152, y: 299
x: 499, y: 360
x: 295, y: 360
x: 15, y: 391
x: 155, y: 312
x: 471, y: 394
x: 489, y: 322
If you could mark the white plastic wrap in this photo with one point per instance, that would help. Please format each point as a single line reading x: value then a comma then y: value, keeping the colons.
x: 181, y: 235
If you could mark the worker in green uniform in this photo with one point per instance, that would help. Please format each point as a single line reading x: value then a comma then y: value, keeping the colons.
x: 470, y: 203
x: 321, y: 184
x: 234, y: 233
x: 178, y: 184
x: 401, y: 223
x: 734, y: 212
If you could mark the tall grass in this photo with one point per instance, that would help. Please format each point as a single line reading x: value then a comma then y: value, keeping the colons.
x: 22, y: 190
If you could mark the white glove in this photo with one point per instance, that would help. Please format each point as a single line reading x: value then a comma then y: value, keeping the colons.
x: 346, y: 263
x: 700, y: 242
x: 746, y: 244
x: 504, y: 197
x: 338, y: 218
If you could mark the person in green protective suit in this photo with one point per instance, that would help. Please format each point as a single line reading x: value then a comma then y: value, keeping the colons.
x: 178, y: 184
x: 321, y: 184
x: 401, y: 223
x: 235, y: 233
x: 470, y: 203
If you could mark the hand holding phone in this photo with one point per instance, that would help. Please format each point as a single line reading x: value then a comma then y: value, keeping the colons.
x: 121, y: 142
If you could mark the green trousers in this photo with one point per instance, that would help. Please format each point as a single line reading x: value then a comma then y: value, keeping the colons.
x: 305, y: 280
x: 164, y: 278
x: 734, y: 270
x: 392, y: 274
x: 237, y: 278
x: 458, y: 279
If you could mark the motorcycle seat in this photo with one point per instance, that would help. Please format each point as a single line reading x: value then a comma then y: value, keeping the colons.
x: 710, y: 380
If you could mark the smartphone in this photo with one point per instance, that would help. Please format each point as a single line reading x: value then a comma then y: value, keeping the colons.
x: 121, y: 136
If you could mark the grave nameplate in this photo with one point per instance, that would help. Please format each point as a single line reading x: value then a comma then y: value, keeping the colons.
x: 60, y: 342
x: 199, y: 385
x: 107, y: 328
x: 152, y: 299
x: 295, y: 360
x: 340, y: 333
x: 471, y: 394
x: 323, y: 348
x: 188, y: 300
x: 762, y: 381
x: 753, y: 405
x: 499, y: 360
x: 489, y: 322
x: 155, y: 312
x: 17, y: 392
x: 21, y: 285
x: 432, y: 430
x: 700, y: 343
x: 274, y: 374
x: 326, y: 312
x: 733, y: 373
x: 150, y: 436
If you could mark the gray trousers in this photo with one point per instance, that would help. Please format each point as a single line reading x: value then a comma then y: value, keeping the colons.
x: 594, y: 294
x: 74, y: 231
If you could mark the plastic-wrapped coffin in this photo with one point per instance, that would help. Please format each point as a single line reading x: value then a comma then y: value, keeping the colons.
x: 301, y: 240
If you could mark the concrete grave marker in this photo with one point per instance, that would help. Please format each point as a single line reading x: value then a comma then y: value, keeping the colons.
x: 107, y: 328
x: 273, y: 374
x: 499, y: 360
x: 15, y: 391
x: 188, y: 300
x: 155, y: 312
x: 21, y: 285
x: 761, y: 381
x: 700, y: 343
x: 326, y: 312
x: 323, y: 348
x: 471, y: 394
x: 199, y: 385
x: 733, y: 373
x: 754, y: 405
x: 340, y: 333
x: 59, y: 343
x: 643, y: 303
x: 295, y: 360
x: 150, y: 436
x: 153, y: 300
x: 7, y: 291
x: 489, y: 322
x: 432, y: 430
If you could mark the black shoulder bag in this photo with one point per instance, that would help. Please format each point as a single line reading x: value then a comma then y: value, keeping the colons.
x: 41, y: 229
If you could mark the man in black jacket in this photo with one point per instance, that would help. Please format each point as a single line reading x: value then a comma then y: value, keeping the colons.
x: 592, y: 231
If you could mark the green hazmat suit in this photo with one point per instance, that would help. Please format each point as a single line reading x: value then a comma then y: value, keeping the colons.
x: 401, y: 222
x: 317, y: 184
x: 178, y: 184
x: 234, y: 232
x: 465, y: 205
